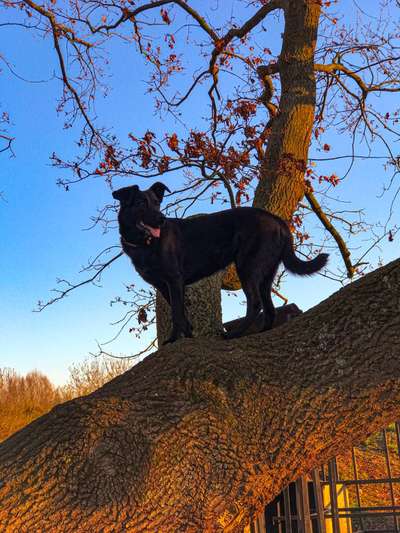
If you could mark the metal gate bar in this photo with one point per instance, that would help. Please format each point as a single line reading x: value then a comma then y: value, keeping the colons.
x: 319, y: 500
x: 291, y: 512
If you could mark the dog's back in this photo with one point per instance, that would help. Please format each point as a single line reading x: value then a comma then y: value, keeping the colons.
x: 211, y: 242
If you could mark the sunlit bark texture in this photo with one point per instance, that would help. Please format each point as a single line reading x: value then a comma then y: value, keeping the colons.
x: 204, y: 432
x: 281, y: 184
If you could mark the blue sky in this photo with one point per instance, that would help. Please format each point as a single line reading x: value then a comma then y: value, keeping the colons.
x: 42, y: 227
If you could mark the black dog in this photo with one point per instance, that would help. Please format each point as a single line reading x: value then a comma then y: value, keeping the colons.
x: 171, y: 253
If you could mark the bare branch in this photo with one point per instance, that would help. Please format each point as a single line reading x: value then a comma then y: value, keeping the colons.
x: 332, y: 230
x: 73, y: 286
x: 101, y: 352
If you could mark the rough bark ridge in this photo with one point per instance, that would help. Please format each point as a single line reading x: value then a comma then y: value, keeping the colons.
x: 204, y: 432
x: 281, y: 185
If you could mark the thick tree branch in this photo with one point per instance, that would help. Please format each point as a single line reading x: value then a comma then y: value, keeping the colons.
x: 366, y: 88
x: 203, y: 433
x: 253, y: 21
x: 334, y: 68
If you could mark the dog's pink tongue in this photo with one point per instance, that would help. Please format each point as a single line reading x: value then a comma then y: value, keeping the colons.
x: 155, y: 232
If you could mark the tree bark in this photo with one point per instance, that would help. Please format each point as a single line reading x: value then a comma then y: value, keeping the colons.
x: 281, y: 184
x: 203, y: 308
x: 205, y: 432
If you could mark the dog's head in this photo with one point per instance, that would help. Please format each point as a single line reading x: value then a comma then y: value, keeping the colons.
x: 139, y: 215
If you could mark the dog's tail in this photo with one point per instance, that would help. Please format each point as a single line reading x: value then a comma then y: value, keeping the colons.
x: 298, y: 266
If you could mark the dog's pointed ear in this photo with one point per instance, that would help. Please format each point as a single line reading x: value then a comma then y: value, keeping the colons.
x: 159, y: 190
x: 125, y: 194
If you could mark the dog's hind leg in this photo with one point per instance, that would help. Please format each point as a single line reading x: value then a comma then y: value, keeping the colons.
x: 267, y: 305
x: 252, y: 292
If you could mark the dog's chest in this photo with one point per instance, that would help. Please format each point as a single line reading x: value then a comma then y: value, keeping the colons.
x: 147, y: 265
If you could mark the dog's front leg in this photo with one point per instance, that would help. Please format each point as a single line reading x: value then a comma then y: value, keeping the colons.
x: 180, y: 324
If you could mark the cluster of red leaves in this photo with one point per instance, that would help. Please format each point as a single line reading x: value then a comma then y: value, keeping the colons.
x: 238, y: 116
x: 197, y: 148
x: 110, y: 161
x: 163, y: 164
x: 199, y: 145
x: 242, y: 108
x: 295, y: 224
x: 233, y: 159
x: 165, y: 16
x: 173, y: 64
x: 229, y: 161
x: 241, y: 192
x: 165, y: 65
x: 173, y: 142
x: 333, y: 179
x: 145, y: 149
x: 142, y: 316
x: 254, y: 139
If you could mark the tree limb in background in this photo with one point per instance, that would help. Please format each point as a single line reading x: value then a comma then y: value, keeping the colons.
x: 344, y: 251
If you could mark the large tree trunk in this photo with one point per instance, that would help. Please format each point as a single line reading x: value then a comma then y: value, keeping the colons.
x: 204, y: 432
x: 202, y: 306
x: 281, y: 184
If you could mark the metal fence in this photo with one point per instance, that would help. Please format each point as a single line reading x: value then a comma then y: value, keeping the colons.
x: 357, y: 492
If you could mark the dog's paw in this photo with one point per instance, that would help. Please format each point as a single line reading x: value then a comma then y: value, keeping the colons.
x: 232, y: 334
x: 174, y: 337
x: 170, y: 340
